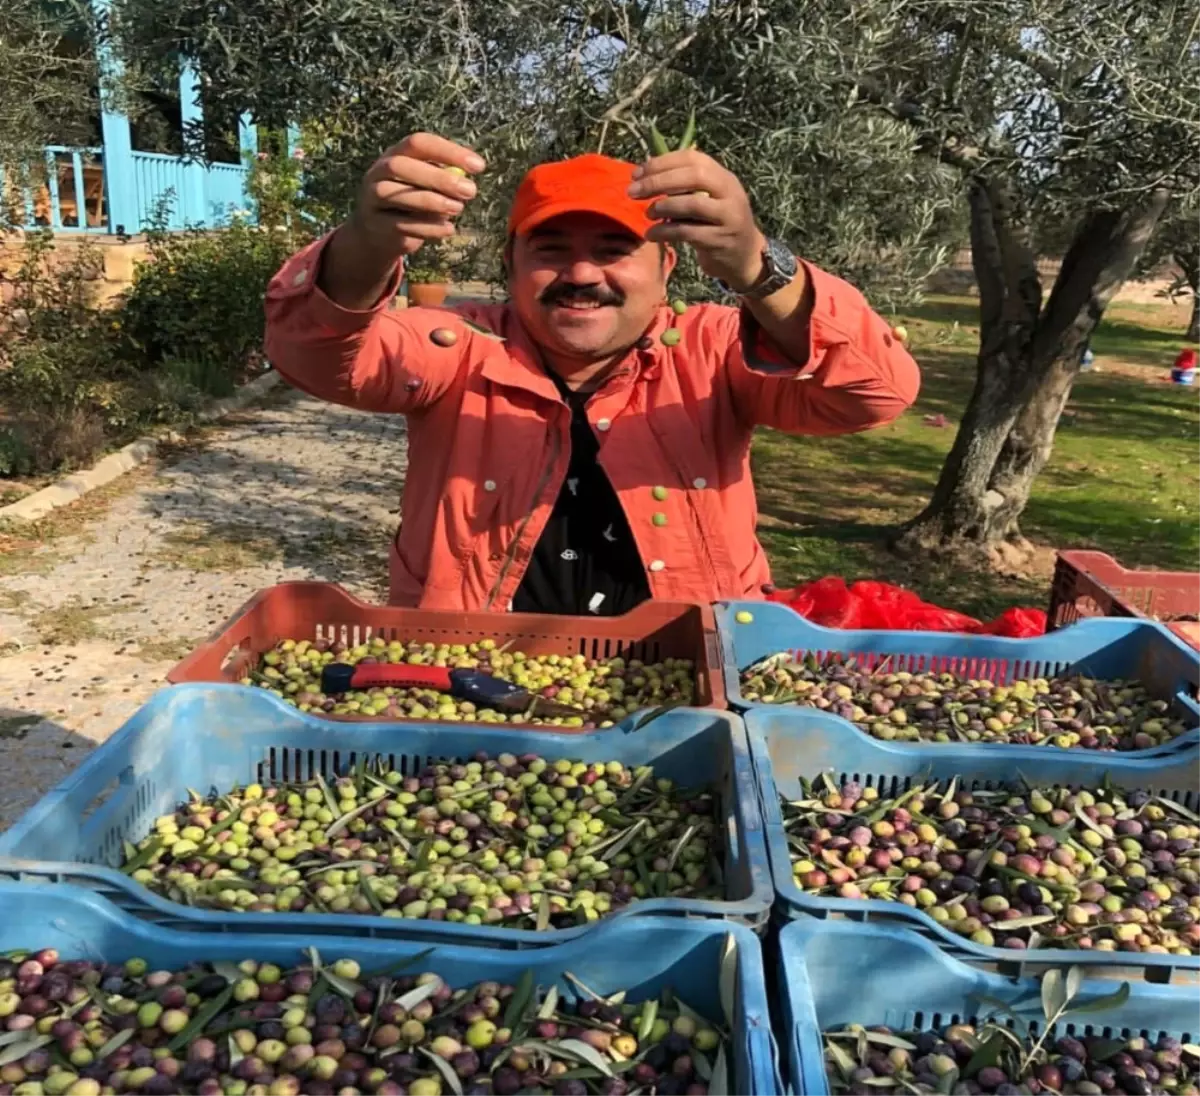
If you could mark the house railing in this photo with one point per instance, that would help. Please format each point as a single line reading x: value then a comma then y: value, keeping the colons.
x: 70, y: 192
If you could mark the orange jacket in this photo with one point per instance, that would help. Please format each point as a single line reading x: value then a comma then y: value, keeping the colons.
x: 489, y: 435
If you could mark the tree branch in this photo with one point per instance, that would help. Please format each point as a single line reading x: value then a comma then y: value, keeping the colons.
x: 1035, y: 61
x: 1103, y: 253
x: 949, y: 148
x: 648, y: 80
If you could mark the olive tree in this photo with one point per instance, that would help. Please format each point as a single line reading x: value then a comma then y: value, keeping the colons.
x: 1177, y: 243
x: 48, y: 80
x: 525, y: 82
x: 1074, y: 114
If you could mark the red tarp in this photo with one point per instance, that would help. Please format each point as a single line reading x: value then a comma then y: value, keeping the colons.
x: 830, y: 602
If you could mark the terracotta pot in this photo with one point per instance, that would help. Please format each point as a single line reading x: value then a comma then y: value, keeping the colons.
x: 426, y: 294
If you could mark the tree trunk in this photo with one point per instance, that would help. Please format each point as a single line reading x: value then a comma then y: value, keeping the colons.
x: 1193, y: 331
x: 1028, y: 360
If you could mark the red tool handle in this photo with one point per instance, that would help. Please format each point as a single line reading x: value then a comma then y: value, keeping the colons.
x: 376, y: 675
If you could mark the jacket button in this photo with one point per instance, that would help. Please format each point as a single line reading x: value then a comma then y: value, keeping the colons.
x: 657, y: 565
x: 603, y: 424
x: 489, y: 485
x: 659, y: 493
x: 659, y: 519
x: 301, y: 277
x: 699, y: 483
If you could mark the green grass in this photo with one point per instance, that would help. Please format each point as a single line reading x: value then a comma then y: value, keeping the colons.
x: 1123, y: 478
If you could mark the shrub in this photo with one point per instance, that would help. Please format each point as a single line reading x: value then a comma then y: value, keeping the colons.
x: 75, y: 379
x: 200, y: 297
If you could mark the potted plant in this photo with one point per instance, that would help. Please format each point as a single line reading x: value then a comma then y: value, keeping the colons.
x: 428, y: 275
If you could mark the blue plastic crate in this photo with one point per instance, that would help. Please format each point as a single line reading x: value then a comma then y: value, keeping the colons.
x: 1105, y: 648
x: 212, y: 737
x: 804, y: 743
x: 831, y: 974
x: 640, y: 955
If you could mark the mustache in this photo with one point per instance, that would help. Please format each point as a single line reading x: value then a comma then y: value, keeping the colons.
x: 565, y: 291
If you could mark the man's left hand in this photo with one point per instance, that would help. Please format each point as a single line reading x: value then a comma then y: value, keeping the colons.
x: 698, y: 202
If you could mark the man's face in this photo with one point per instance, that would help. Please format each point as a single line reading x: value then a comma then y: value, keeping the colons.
x: 585, y: 287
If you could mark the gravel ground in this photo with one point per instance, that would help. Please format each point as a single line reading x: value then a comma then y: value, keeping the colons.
x: 118, y: 587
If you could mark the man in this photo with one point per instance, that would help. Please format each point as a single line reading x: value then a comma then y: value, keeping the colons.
x: 582, y: 447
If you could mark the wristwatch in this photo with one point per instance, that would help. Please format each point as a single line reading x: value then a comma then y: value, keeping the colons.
x: 779, y: 268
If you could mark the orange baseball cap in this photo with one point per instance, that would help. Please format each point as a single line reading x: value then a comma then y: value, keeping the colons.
x: 584, y: 184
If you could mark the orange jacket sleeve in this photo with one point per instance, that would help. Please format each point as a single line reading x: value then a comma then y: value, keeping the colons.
x: 856, y: 375
x: 378, y: 360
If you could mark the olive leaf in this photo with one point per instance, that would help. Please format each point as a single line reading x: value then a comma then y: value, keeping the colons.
x: 201, y: 1019
x: 702, y: 1066
x: 590, y: 992
x: 18, y: 1050
x: 658, y: 142
x: 985, y: 858
x: 1038, y: 826
x: 680, y: 845
x: 347, y: 987
x: 1054, y: 993
x: 519, y: 1001
x: 116, y: 1043
x: 577, y: 1048
x: 543, y: 913
x: 649, y: 1015
x: 408, y: 1001
x: 1025, y: 922
x: 337, y: 827
x: 1178, y: 808
x: 619, y: 841
x: 728, y: 978
x: 719, y: 1085
x: 152, y: 849
x: 841, y: 1058
x: 1102, y: 1004
x: 889, y: 1040
x: 654, y: 713
x: 549, y: 1005
x: 445, y: 1069
x: 1074, y: 981
x: 1100, y: 1050
x: 988, y: 1054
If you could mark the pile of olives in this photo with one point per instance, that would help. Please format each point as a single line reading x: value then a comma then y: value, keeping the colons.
x: 963, y: 1058
x: 515, y: 841
x: 1073, y: 712
x: 604, y: 690
x: 1013, y: 867
x: 78, y: 1028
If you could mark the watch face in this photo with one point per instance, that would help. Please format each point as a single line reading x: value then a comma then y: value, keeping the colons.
x: 780, y: 256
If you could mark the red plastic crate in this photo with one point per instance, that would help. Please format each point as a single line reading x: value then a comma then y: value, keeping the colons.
x: 323, y: 610
x: 1090, y: 584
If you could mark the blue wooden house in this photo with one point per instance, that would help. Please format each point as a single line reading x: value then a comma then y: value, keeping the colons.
x: 117, y: 189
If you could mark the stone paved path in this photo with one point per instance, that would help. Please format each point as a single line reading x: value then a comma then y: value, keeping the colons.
x: 91, y: 620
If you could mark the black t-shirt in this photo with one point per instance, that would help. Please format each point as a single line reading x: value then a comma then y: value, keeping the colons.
x: 586, y: 561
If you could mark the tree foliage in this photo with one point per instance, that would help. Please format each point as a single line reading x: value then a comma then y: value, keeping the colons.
x: 525, y: 82
x: 1176, y: 247
x: 48, y: 89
